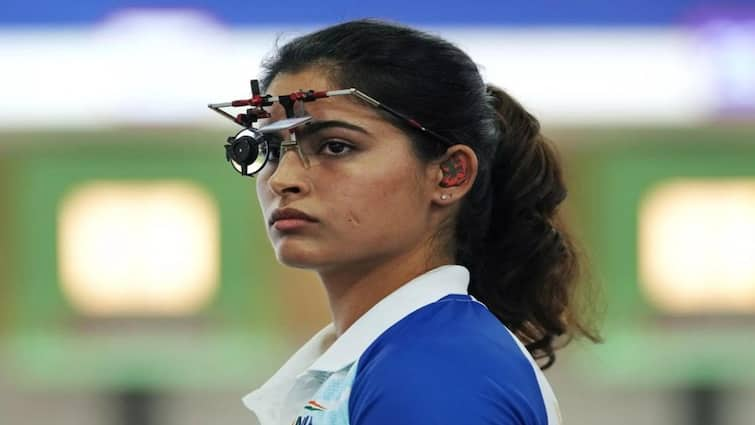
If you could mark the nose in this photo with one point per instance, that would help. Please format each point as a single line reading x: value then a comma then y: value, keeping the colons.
x: 289, y: 175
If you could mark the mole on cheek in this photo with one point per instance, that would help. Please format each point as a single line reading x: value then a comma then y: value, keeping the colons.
x: 351, y: 218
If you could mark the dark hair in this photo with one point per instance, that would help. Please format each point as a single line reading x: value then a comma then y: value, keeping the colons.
x: 523, y: 265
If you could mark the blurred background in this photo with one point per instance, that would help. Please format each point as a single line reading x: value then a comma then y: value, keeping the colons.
x: 137, y: 285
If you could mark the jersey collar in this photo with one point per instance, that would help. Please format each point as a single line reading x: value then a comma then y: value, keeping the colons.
x: 420, y: 291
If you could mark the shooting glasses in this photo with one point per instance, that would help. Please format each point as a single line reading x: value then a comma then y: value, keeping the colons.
x: 251, y: 148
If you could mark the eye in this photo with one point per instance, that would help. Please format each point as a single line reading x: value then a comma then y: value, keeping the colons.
x: 335, y: 148
x: 275, y: 153
x: 274, y: 146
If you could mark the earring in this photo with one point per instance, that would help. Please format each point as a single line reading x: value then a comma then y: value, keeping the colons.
x: 445, y: 196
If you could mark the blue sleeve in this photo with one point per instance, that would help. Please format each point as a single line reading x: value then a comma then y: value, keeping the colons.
x: 419, y: 385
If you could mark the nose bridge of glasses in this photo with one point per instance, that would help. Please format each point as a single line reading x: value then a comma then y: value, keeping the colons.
x: 293, y: 145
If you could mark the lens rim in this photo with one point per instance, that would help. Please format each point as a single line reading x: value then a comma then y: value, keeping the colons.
x: 244, y: 169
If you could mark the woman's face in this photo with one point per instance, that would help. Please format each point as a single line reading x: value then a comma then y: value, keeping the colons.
x: 367, y: 193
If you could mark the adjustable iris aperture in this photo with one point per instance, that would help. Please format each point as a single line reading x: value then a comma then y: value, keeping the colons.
x: 247, y: 151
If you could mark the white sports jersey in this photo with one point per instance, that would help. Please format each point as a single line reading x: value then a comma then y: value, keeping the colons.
x: 428, y: 353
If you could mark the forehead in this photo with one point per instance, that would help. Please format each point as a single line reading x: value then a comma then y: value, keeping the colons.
x: 341, y: 107
x: 309, y: 78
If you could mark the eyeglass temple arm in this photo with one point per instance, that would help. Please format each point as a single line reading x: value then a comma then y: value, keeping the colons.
x: 412, y: 122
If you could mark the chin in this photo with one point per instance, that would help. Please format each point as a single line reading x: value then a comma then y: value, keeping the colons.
x: 297, y: 263
x: 298, y: 255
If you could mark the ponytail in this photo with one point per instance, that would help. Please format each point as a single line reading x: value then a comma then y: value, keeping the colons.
x: 526, y: 268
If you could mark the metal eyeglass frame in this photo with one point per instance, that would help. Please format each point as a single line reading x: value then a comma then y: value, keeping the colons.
x: 237, y: 146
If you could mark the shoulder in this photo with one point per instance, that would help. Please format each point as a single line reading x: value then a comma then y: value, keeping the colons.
x: 451, y: 362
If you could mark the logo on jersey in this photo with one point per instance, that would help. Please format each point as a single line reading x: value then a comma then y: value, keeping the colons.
x: 313, y: 405
x: 302, y: 420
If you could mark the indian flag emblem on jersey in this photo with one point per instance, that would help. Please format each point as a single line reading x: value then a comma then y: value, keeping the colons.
x: 313, y: 405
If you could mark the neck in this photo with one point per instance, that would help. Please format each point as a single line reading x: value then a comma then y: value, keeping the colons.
x: 354, y: 289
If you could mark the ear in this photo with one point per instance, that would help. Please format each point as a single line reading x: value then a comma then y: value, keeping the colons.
x: 454, y: 174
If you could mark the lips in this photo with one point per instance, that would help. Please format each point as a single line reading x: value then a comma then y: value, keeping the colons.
x: 289, y: 214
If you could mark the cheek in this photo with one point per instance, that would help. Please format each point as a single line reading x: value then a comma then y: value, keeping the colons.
x: 378, y: 202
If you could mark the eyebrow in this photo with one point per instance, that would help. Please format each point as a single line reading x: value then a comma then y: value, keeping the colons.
x: 315, y: 126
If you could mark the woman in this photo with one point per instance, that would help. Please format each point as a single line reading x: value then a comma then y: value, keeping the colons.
x: 428, y: 209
